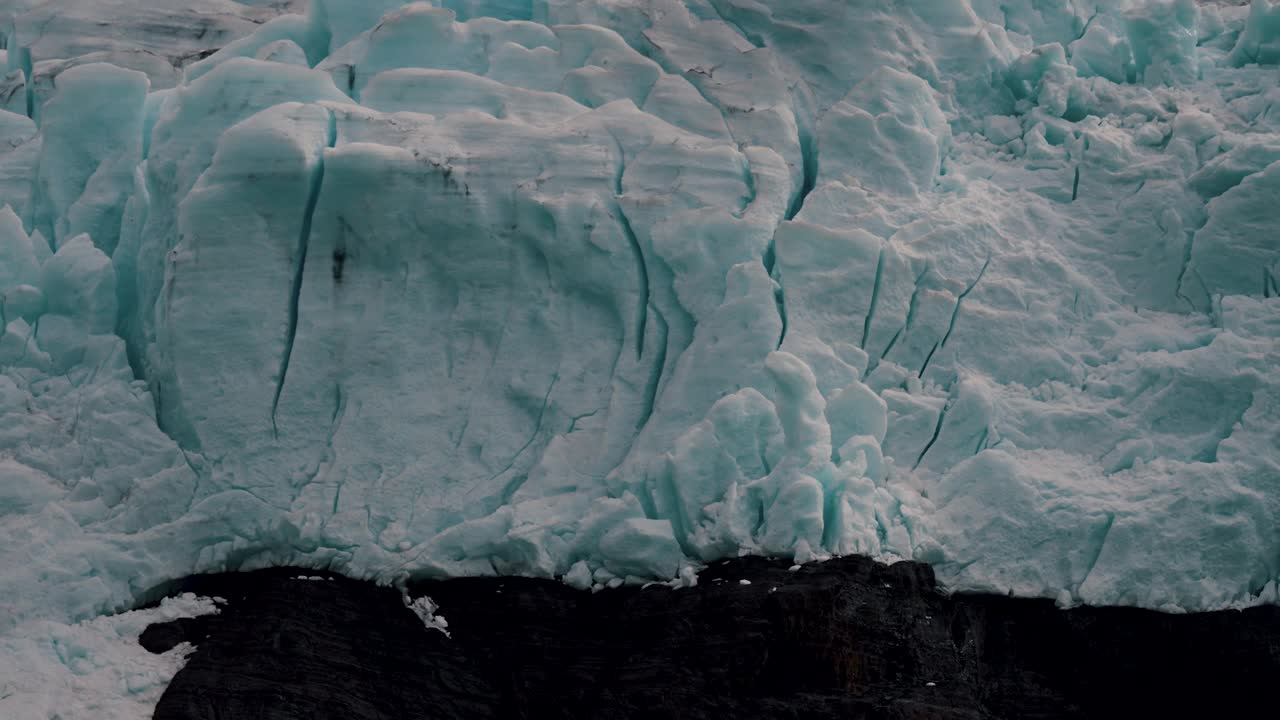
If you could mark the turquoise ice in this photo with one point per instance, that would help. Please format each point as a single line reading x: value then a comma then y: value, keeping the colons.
x: 609, y: 290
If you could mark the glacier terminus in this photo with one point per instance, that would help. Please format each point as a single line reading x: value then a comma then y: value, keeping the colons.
x: 607, y: 291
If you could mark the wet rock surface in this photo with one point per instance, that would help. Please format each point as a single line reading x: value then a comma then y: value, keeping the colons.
x: 847, y: 638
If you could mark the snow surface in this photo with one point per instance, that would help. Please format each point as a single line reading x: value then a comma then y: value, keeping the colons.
x: 606, y: 290
x: 92, y: 670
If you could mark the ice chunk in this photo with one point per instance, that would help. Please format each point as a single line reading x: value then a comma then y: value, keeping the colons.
x: 856, y: 410
x: 1104, y: 50
x: 92, y: 141
x: 338, y: 22
x: 291, y: 39
x: 426, y: 610
x: 888, y: 134
x: 1231, y: 168
x: 420, y: 35
x: 282, y: 51
x: 1163, y: 38
x: 19, y: 157
x: 1260, y: 41
x: 641, y: 546
x: 579, y: 576
x: 827, y: 269
x: 1232, y: 254
x: 20, y: 256
x: 1001, y: 129
x: 81, y: 284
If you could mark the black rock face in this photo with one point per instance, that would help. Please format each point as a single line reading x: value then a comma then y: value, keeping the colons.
x: 849, y: 638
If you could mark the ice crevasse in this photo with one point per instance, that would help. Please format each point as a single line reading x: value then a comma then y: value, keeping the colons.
x: 608, y: 290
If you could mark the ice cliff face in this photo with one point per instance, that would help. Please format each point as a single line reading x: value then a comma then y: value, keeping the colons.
x: 604, y: 290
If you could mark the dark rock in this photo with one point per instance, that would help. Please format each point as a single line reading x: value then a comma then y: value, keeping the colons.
x: 165, y: 636
x: 336, y: 648
x: 849, y: 638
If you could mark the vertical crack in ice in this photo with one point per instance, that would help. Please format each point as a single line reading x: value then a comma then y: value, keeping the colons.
x: 1210, y: 454
x: 770, y: 262
x: 955, y: 314
x: 8, y: 97
x: 295, y: 292
x: 642, y: 304
x: 335, y: 419
x: 1187, y: 248
x: 780, y: 302
x: 770, y: 257
x: 1083, y: 30
x: 911, y: 312
x: 26, y: 343
x: 982, y: 440
x: 889, y: 347
x: 749, y: 182
x: 1097, y: 549
x: 875, y: 298
x: 696, y: 77
x: 195, y: 486
x: 509, y: 490
x: 925, y: 366
x: 808, y: 157
x: 914, y: 304
x: 676, y: 510
x: 937, y: 430
x: 28, y: 83
x: 75, y: 421
x: 655, y: 378
x: 337, y: 496
x: 809, y: 177
x: 1083, y: 143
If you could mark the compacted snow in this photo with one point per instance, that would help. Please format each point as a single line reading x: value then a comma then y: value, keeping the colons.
x: 91, y: 670
x: 607, y: 290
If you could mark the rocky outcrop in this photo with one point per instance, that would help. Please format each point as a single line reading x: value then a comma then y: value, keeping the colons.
x: 849, y: 638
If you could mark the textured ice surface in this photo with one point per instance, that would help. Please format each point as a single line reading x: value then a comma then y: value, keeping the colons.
x: 604, y: 290
x: 94, y: 669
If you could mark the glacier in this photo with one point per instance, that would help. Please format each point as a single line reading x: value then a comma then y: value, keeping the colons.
x: 606, y: 291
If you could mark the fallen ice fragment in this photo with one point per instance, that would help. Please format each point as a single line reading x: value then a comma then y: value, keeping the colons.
x: 425, y: 608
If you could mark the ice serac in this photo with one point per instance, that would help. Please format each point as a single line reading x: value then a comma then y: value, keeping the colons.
x: 607, y: 291
x: 92, y: 143
x: 157, y: 37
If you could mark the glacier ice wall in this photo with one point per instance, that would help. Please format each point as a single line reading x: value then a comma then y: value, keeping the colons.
x: 605, y: 290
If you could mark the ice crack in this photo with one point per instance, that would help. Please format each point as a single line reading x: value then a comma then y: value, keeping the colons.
x: 956, y: 312
x: 295, y: 293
